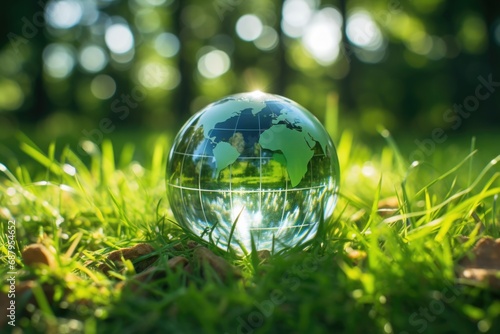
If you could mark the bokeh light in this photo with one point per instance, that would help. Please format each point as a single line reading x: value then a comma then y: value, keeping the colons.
x: 200, y: 22
x: 119, y: 38
x: 11, y: 95
x: 58, y: 60
x: 249, y: 27
x: 167, y: 44
x: 103, y: 86
x: 362, y: 31
x: 63, y: 14
x: 296, y: 15
x: 472, y: 34
x: 147, y: 20
x: 123, y: 58
x: 93, y: 58
x: 158, y: 75
x: 214, y: 64
x: 322, y: 35
x: 267, y: 40
x: 220, y: 47
x: 154, y: 2
x: 90, y: 12
x: 420, y: 43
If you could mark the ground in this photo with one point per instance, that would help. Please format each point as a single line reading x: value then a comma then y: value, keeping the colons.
x: 95, y: 249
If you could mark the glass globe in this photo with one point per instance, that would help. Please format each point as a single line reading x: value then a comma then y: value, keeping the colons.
x: 253, y: 166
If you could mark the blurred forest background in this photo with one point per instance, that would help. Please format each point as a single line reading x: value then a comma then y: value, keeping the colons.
x: 87, y: 68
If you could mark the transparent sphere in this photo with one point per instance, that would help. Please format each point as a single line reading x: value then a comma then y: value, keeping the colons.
x: 253, y: 166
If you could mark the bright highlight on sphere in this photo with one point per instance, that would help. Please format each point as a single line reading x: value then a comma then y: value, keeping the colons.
x: 119, y: 38
x: 249, y: 27
x: 253, y: 166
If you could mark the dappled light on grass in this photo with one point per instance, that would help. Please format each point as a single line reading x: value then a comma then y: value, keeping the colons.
x: 117, y: 258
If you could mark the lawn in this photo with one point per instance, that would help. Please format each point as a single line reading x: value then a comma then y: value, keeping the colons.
x: 397, y: 257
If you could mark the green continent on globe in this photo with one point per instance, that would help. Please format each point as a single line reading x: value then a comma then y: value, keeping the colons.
x: 225, y: 154
x: 297, y: 147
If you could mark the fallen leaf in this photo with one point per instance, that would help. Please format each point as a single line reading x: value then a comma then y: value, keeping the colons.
x: 154, y: 273
x: 203, y: 257
x: 36, y: 254
x: 130, y: 253
x: 488, y: 276
x: 388, y: 206
x: 483, y: 265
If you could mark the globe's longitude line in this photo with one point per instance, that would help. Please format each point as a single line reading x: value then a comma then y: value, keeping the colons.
x: 285, y: 202
x: 182, y: 173
x: 231, y: 167
x: 286, y: 190
x: 260, y: 172
x: 199, y: 183
x: 311, y: 170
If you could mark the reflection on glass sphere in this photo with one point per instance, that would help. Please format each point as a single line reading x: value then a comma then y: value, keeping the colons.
x: 253, y: 165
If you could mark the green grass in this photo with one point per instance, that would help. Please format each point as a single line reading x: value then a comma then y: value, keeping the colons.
x: 406, y: 284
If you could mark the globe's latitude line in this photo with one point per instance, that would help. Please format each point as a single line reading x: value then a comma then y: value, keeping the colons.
x: 241, y: 158
x: 280, y: 228
x: 286, y: 189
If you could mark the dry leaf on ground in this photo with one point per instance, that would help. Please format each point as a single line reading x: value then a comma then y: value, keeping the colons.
x: 203, y: 257
x: 388, y: 206
x: 36, y: 254
x: 154, y: 273
x: 483, y: 265
x: 130, y: 253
